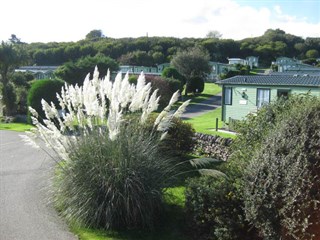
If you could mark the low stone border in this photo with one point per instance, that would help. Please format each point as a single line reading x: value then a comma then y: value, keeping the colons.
x: 212, y: 146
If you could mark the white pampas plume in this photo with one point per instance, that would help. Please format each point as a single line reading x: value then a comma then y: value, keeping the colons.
x: 173, y: 100
x: 181, y: 109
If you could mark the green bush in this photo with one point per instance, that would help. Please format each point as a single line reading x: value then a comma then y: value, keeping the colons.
x: 43, y: 89
x: 163, y: 87
x: 195, y: 85
x: 116, y: 184
x: 133, y: 79
x: 172, y: 73
x: 281, y: 182
x: 181, y: 137
x: 174, y: 84
x: 214, y: 210
x: 9, y: 97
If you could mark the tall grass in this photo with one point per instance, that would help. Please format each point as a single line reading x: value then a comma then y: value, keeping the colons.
x: 114, y: 168
x: 116, y: 184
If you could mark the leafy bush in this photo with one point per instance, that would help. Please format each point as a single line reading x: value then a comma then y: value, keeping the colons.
x: 43, y: 89
x: 181, y: 137
x: 9, y: 97
x: 281, y: 187
x: 171, y: 72
x: 174, y: 84
x: 214, y: 210
x: 195, y: 85
x: 133, y: 79
x: 163, y: 88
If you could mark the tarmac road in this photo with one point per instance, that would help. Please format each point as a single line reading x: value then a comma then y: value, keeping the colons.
x: 25, y: 209
x: 194, y: 110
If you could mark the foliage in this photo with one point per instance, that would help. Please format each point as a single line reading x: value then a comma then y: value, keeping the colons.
x: 214, y: 210
x: 312, y: 53
x: 192, y: 64
x: 75, y: 72
x: 281, y: 187
x: 174, y: 84
x: 43, y: 89
x: 273, y: 43
x: 9, y: 98
x: 239, y: 70
x: 22, y: 78
x: 171, y: 72
x: 180, y: 138
x: 196, y: 85
x: 214, y: 34
x: 21, y: 102
x: 94, y: 35
x: 136, y: 58
x: 164, y: 88
x: 120, y: 186
x: 10, y: 56
x: 113, y: 170
x: 133, y: 79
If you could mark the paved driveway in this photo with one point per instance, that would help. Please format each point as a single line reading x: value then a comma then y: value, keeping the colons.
x: 25, y: 209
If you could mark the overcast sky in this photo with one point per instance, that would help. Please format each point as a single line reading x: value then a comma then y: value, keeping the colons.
x: 71, y: 20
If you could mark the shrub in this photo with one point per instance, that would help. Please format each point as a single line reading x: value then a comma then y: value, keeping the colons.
x: 116, y: 184
x: 195, y: 85
x: 214, y: 210
x: 133, y: 79
x: 174, y: 84
x: 281, y: 187
x: 9, y: 97
x: 43, y: 89
x: 114, y: 169
x: 163, y: 88
x: 180, y: 138
x: 172, y: 73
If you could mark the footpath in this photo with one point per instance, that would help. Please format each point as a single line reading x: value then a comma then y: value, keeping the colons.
x: 197, y: 109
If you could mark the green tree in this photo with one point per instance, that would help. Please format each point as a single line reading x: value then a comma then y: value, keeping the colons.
x: 171, y: 72
x: 214, y: 34
x: 94, y: 35
x: 313, y: 53
x: 10, y: 57
x: 192, y: 63
x: 75, y: 72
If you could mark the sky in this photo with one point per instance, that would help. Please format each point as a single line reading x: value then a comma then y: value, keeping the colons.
x: 70, y: 20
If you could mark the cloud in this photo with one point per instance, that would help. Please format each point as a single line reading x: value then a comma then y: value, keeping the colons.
x: 71, y: 20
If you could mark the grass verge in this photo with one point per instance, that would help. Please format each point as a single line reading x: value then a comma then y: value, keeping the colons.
x: 206, y: 123
x: 18, y: 127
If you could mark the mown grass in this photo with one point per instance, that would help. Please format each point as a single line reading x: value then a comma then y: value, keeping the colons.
x: 18, y: 127
x: 210, y: 89
x: 206, y: 123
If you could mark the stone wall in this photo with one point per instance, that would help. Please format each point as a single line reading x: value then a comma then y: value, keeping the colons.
x: 212, y: 146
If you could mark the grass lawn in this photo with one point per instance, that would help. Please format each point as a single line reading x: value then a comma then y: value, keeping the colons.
x: 210, y: 89
x: 18, y: 127
x: 206, y: 123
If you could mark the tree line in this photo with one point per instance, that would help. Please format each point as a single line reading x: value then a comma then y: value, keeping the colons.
x: 150, y: 51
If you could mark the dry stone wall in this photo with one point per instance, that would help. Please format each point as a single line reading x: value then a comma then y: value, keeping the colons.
x: 212, y: 146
